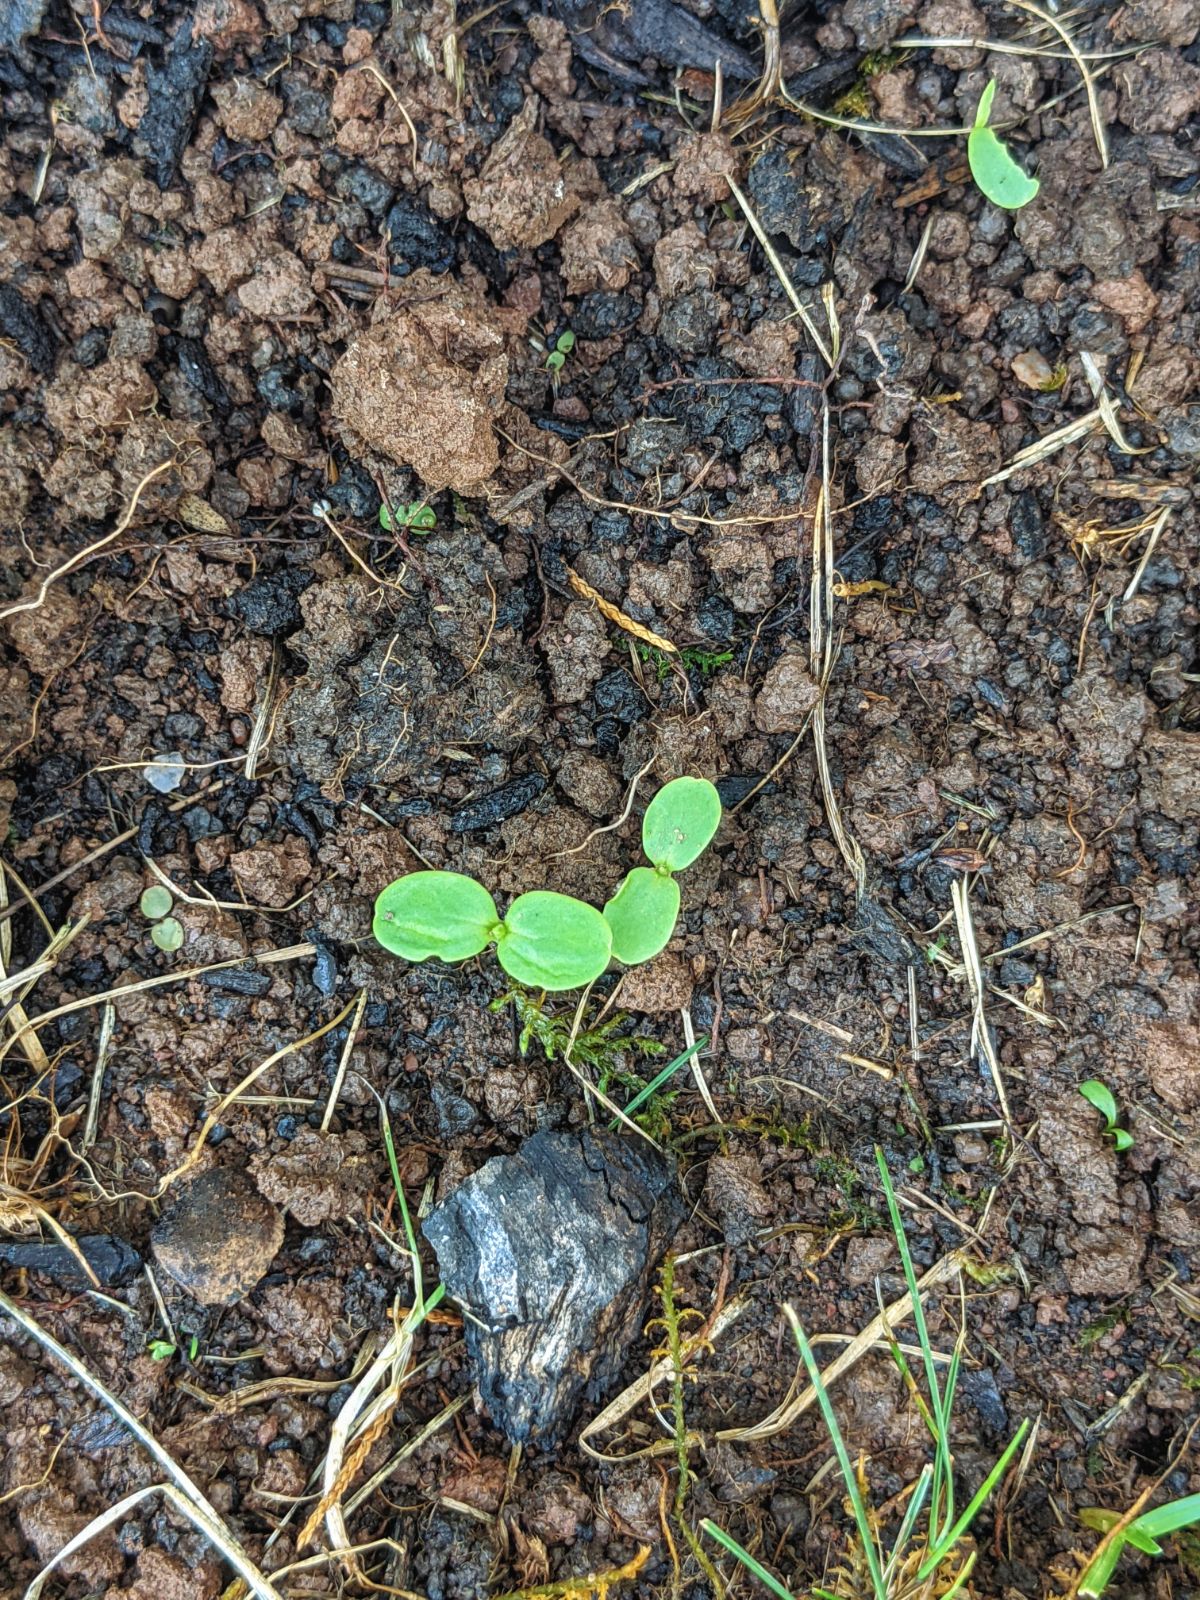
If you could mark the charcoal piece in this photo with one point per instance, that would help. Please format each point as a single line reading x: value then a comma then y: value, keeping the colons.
x: 199, y: 373
x: 112, y: 1260
x: 550, y: 1250
x: 613, y: 38
x: 22, y: 324
x: 509, y: 800
x: 174, y: 92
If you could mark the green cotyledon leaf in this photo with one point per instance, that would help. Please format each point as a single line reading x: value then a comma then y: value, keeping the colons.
x: 642, y: 914
x: 551, y: 941
x: 679, y: 822
x: 443, y: 914
x: 992, y: 166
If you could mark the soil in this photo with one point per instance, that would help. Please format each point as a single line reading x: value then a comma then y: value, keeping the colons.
x: 267, y: 263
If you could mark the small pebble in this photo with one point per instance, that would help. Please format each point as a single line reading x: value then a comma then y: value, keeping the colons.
x: 219, y: 1237
x: 1032, y: 369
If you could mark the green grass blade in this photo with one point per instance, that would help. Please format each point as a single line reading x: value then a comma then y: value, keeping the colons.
x: 912, y: 1512
x: 866, y: 1536
x: 728, y: 1542
x: 946, y: 1544
x: 1170, y: 1518
x: 1098, y: 1573
x: 660, y: 1078
x: 943, y: 1466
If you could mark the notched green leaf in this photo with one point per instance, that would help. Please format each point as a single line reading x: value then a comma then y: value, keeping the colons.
x: 679, y: 822
x: 551, y: 941
x: 1002, y: 180
x: 443, y: 914
x: 642, y: 915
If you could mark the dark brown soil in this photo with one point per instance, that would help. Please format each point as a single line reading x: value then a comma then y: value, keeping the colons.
x: 237, y: 306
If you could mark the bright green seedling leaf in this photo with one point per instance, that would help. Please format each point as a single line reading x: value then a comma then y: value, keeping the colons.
x: 679, y: 822
x: 556, y: 361
x: 160, y: 1349
x: 417, y: 518
x: 642, y: 915
x: 550, y: 941
x: 443, y: 914
x: 1101, y: 1096
x: 155, y: 902
x: 565, y: 343
x: 167, y: 935
x: 999, y: 177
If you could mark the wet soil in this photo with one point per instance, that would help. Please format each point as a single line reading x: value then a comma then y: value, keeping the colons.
x: 267, y: 263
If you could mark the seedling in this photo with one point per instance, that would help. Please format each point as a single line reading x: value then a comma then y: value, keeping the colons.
x: 557, y: 358
x: 679, y: 823
x: 551, y: 941
x: 545, y: 941
x: 1143, y: 1533
x: 416, y: 517
x: 995, y: 171
x: 1101, y: 1096
x: 167, y: 932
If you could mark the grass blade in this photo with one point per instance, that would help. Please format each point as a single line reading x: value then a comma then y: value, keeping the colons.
x: 1170, y: 1518
x: 866, y: 1536
x: 660, y: 1078
x: 728, y: 1542
x: 947, y: 1543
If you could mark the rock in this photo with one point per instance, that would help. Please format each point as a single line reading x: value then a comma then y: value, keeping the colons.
x: 734, y: 1192
x: 271, y: 874
x: 550, y: 1251
x: 521, y: 197
x: 112, y: 1260
x: 280, y: 288
x: 318, y: 1175
x: 787, y: 696
x: 174, y: 92
x: 218, y: 1238
x: 509, y: 800
x: 422, y: 387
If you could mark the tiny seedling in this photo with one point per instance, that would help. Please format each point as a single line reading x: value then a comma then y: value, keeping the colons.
x: 414, y: 518
x: 167, y: 932
x: 156, y: 902
x: 167, y: 935
x: 545, y: 940
x: 160, y: 1349
x: 995, y: 171
x: 1143, y: 1534
x: 1100, y: 1096
x: 557, y: 358
x: 679, y: 823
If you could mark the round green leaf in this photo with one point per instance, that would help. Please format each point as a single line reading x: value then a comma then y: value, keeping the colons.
x: 995, y: 171
x: 680, y: 821
x: 444, y: 914
x: 550, y: 941
x: 167, y: 934
x: 642, y: 915
x: 156, y: 901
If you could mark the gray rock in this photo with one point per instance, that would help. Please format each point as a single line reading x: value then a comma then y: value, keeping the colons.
x: 218, y: 1238
x: 550, y: 1251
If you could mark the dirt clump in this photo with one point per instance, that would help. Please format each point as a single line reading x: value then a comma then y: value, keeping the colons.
x: 522, y: 195
x: 424, y: 386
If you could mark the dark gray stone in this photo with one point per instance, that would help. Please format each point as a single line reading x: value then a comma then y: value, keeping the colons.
x: 550, y: 1251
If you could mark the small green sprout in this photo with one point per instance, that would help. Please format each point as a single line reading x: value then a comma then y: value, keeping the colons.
x: 1003, y: 182
x: 160, y: 1349
x: 417, y: 517
x: 155, y: 902
x: 557, y: 359
x: 545, y: 941
x: 1101, y: 1096
x: 1143, y: 1534
x: 679, y: 823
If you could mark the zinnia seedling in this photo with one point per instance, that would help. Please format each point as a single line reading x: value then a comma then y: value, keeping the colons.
x: 679, y: 823
x: 546, y: 941
x: 1003, y: 182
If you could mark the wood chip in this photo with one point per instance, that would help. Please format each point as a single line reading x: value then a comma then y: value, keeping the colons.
x: 198, y: 514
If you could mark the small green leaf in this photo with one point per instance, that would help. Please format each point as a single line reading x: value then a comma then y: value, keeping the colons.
x: 679, y: 822
x: 550, y: 941
x: 443, y: 914
x: 995, y: 171
x: 642, y: 915
x: 555, y: 361
x: 167, y: 935
x: 565, y: 342
x: 155, y: 902
x: 417, y: 517
x: 160, y: 1349
x: 1122, y: 1139
x: 1101, y: 1096
x: 194, y: 1347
